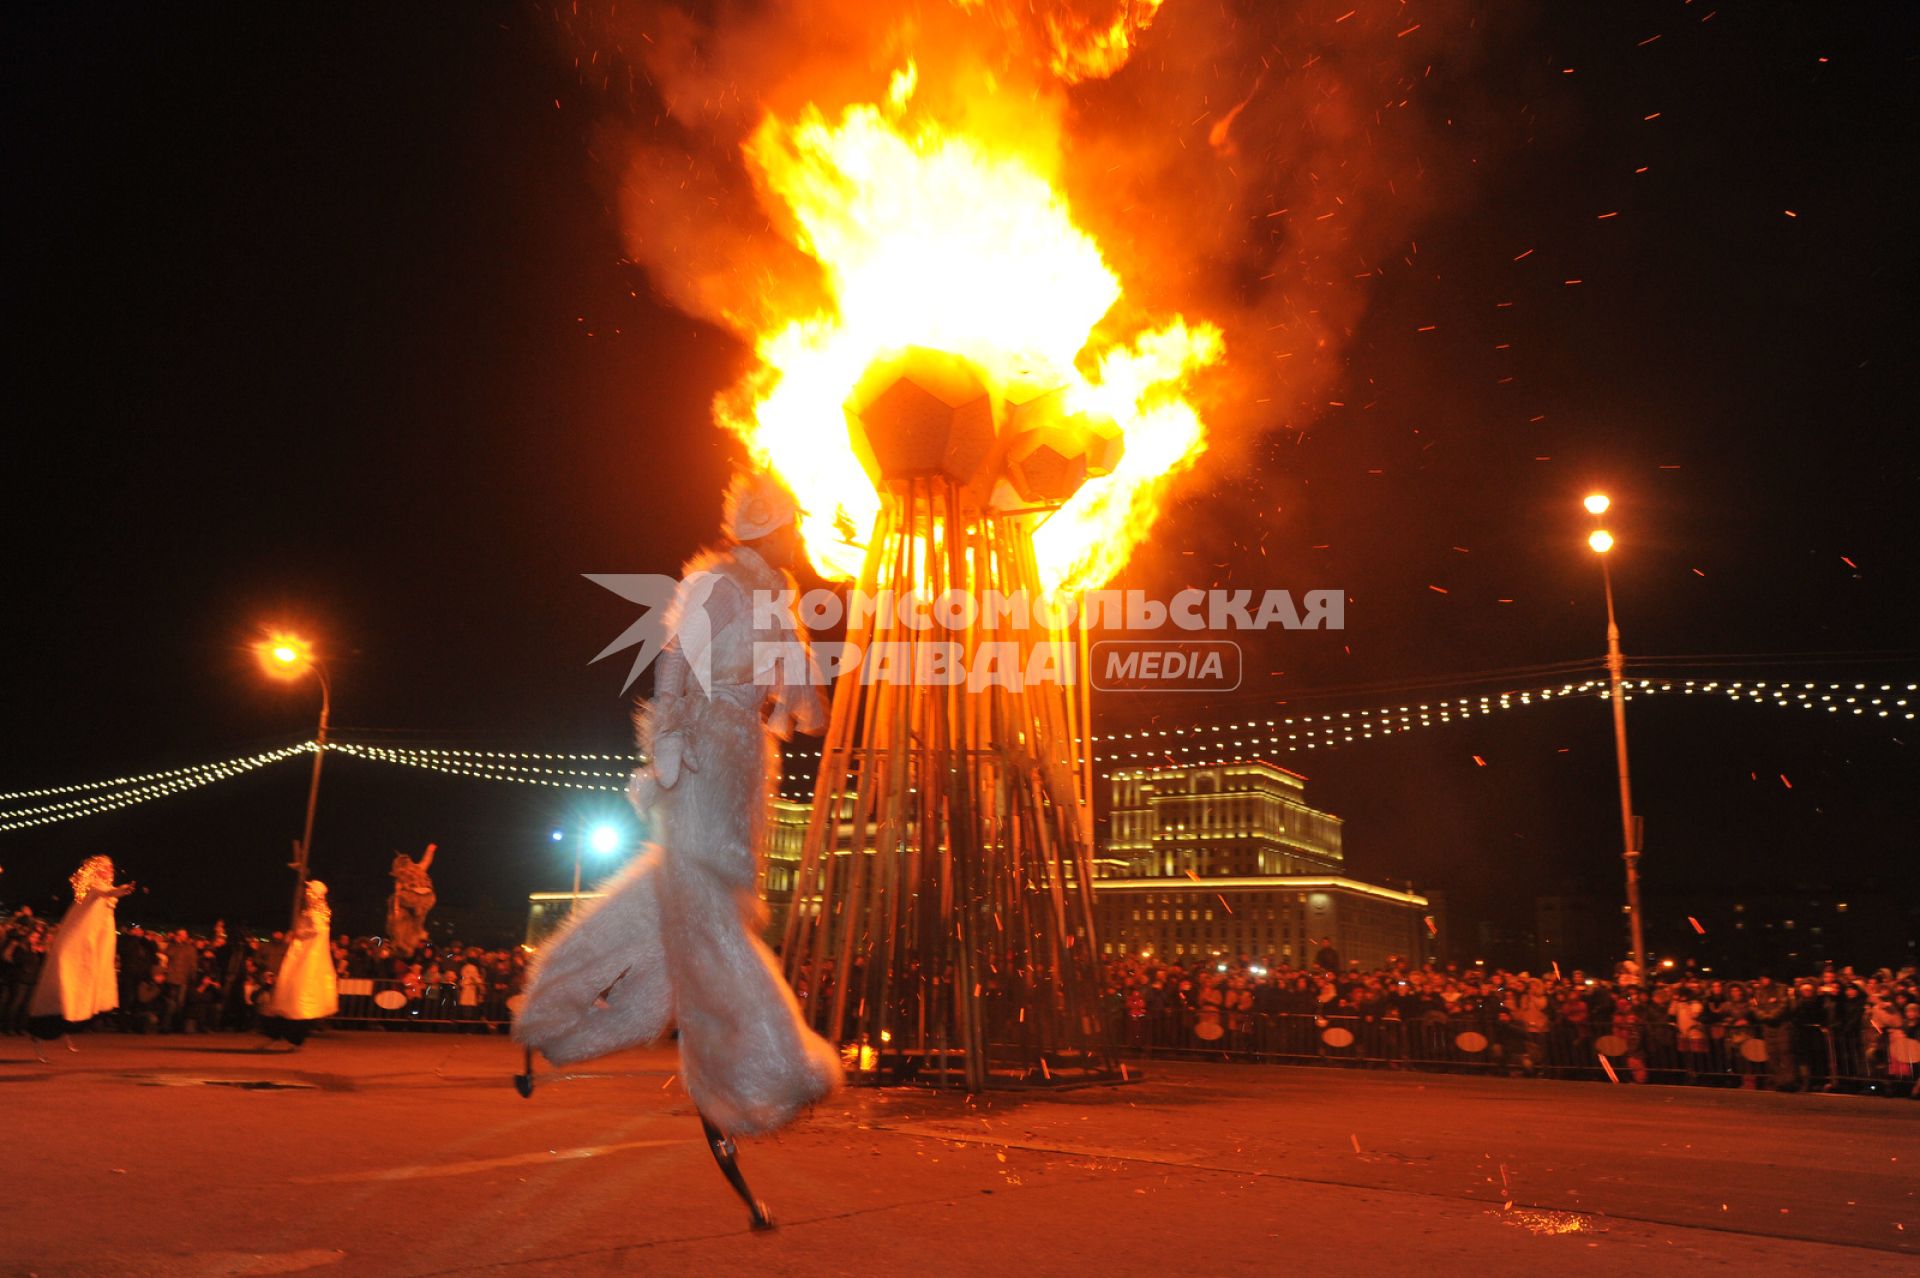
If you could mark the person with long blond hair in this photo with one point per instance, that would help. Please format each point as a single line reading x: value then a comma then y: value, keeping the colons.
x: 77, y: 981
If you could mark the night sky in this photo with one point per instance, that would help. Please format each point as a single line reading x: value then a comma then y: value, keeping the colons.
x: 322, y: 316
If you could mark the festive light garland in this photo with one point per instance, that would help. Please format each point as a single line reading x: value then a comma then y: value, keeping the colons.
x: 1210, y: 744
x: 483, y: 756
x: 1300, y: 731
x: 478, y: 764
x: 116, y: 783
x: 1343, y: 727
x: 1203, y: 744
x: 156, y: 785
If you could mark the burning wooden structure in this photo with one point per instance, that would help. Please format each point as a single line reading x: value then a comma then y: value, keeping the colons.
x: 942, y: 925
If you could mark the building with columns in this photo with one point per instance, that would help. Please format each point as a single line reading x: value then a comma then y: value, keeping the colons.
x: 1202, y: 860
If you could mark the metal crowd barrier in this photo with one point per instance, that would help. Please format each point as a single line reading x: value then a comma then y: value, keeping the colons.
x: 1801, y: 1057
x: 393, y: 1004
x: 1796, y: 1056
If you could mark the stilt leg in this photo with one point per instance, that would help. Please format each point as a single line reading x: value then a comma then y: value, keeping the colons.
x: 724, y: 1153
x: 69, y: 1041
x: 38, y: 1054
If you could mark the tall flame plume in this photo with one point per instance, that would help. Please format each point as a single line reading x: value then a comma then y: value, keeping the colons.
x: 1110, y: 193
x: 958, y: 241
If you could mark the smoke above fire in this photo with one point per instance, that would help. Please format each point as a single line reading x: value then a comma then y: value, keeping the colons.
x: 1176, y: 206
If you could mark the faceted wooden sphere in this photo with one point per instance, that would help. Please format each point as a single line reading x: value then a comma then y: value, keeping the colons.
x: 1051, y: 452
x: 1106, y: 445
x: 923, y: 414
x: 1048, y: 465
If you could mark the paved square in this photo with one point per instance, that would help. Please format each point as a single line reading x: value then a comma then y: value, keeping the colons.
x: 405, y: 1154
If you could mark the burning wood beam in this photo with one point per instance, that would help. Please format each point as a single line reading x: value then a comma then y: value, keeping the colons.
x: 942, y: 920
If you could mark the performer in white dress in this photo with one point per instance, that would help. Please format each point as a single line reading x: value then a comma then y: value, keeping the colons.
x: 78, y: 981
x: 306, y: 989
x: 675, y: 940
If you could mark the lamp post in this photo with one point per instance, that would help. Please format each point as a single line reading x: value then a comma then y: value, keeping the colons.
x: 1600, y: 541
x: 288, y: 657
x: 604, y: 839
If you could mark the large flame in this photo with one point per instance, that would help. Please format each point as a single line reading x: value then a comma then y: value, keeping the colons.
x: 936, y: 237
x: 1084, y: 47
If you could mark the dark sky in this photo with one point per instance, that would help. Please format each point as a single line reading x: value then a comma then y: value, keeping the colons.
x: 320, y: 314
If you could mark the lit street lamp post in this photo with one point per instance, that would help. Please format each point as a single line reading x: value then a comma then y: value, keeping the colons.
x: 604, y: 840
x: 288, y: 657
x: 1601, y: 542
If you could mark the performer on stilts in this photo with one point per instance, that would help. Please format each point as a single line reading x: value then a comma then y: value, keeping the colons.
x: 77, y: 982
x: 306, y: 988
x: 676, y: 938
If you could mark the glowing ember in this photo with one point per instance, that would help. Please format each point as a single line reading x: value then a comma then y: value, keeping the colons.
x: 1545, y: 1223
x: 960, y: 243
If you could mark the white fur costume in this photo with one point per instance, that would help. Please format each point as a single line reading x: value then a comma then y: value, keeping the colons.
x: 675, y: 939
x: 78, y: 981
x: 306, y: 987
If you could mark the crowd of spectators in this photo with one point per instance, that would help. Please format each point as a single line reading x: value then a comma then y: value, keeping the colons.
x: 174, y: 982
x: 1836, y: 1029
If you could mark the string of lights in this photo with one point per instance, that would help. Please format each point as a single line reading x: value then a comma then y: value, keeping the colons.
x: 111, y: 783
x: 154, y: 786
x: 479, y: 764
x: 1199, y: 744
x: 624, y: 761
x: 1225, y: 742
x: 1287, y: 733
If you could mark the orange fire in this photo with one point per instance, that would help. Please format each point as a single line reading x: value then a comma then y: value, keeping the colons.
x: 957, y: 239
x: 1083, y: 48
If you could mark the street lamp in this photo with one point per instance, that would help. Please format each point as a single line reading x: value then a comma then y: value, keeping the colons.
x: 1600, y: 541
x: 288, y: 657
x: 603, y: 839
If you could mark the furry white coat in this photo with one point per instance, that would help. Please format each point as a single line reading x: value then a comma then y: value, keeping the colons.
x: 675, y: 940
x: 78, y: 980
x: 306, y: 987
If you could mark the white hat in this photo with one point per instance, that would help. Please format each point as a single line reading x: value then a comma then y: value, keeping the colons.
x: 757, y: 504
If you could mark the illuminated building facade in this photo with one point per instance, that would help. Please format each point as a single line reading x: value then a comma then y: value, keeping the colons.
x: 1228, y: 861
x: 1269, y: 870
x: 1245, y: 818
x: 787, y: 822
